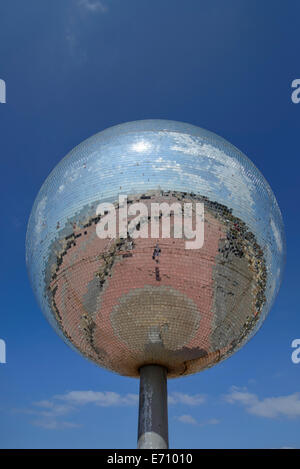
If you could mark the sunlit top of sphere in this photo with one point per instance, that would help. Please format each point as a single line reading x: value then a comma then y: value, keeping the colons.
x: 124, y: 303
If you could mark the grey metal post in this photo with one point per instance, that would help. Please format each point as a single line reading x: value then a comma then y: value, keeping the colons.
x: 153, y: 408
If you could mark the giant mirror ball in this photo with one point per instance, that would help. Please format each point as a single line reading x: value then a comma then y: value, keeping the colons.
x: 133, y: 301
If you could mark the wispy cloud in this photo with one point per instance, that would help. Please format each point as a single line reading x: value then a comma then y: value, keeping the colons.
x: 74, y: 32
x: 103, y: 399
x: 48, y: 415
x: 187, y: 399
x: 269, y: 407
x: 49, y: 412
x: 52, y: 424
x: 212, y: 422
x: 52, y: 409
x: 93, y: 6
x: 75, y: 48
x: 186, y: 418
x: 109, y: 398
x: 190, y: 420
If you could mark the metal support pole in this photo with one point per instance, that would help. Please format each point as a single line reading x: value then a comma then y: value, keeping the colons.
x: 153, y: 408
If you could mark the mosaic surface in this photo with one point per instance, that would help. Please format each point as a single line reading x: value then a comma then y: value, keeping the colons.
x: 126, y: 302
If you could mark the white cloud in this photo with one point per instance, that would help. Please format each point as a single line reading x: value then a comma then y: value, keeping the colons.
x: 93, y: 5
x: 51, y: 409
x: 187, y: 399
x: 103, y: 399
x: 46, y: 404
x: 109, y: 398
x: 187, y: 419
x: 49, y: 412
x: 73, y: 32
x: 190, y: 420
x: 54, y: 424
x: 75, y: 48
x: 212, y: 422
x: 270, y: 407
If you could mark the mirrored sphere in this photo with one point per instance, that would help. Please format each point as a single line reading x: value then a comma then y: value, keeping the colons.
x: 133, y: 300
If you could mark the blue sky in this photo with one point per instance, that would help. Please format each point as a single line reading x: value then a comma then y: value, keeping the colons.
x: 73, y: 68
